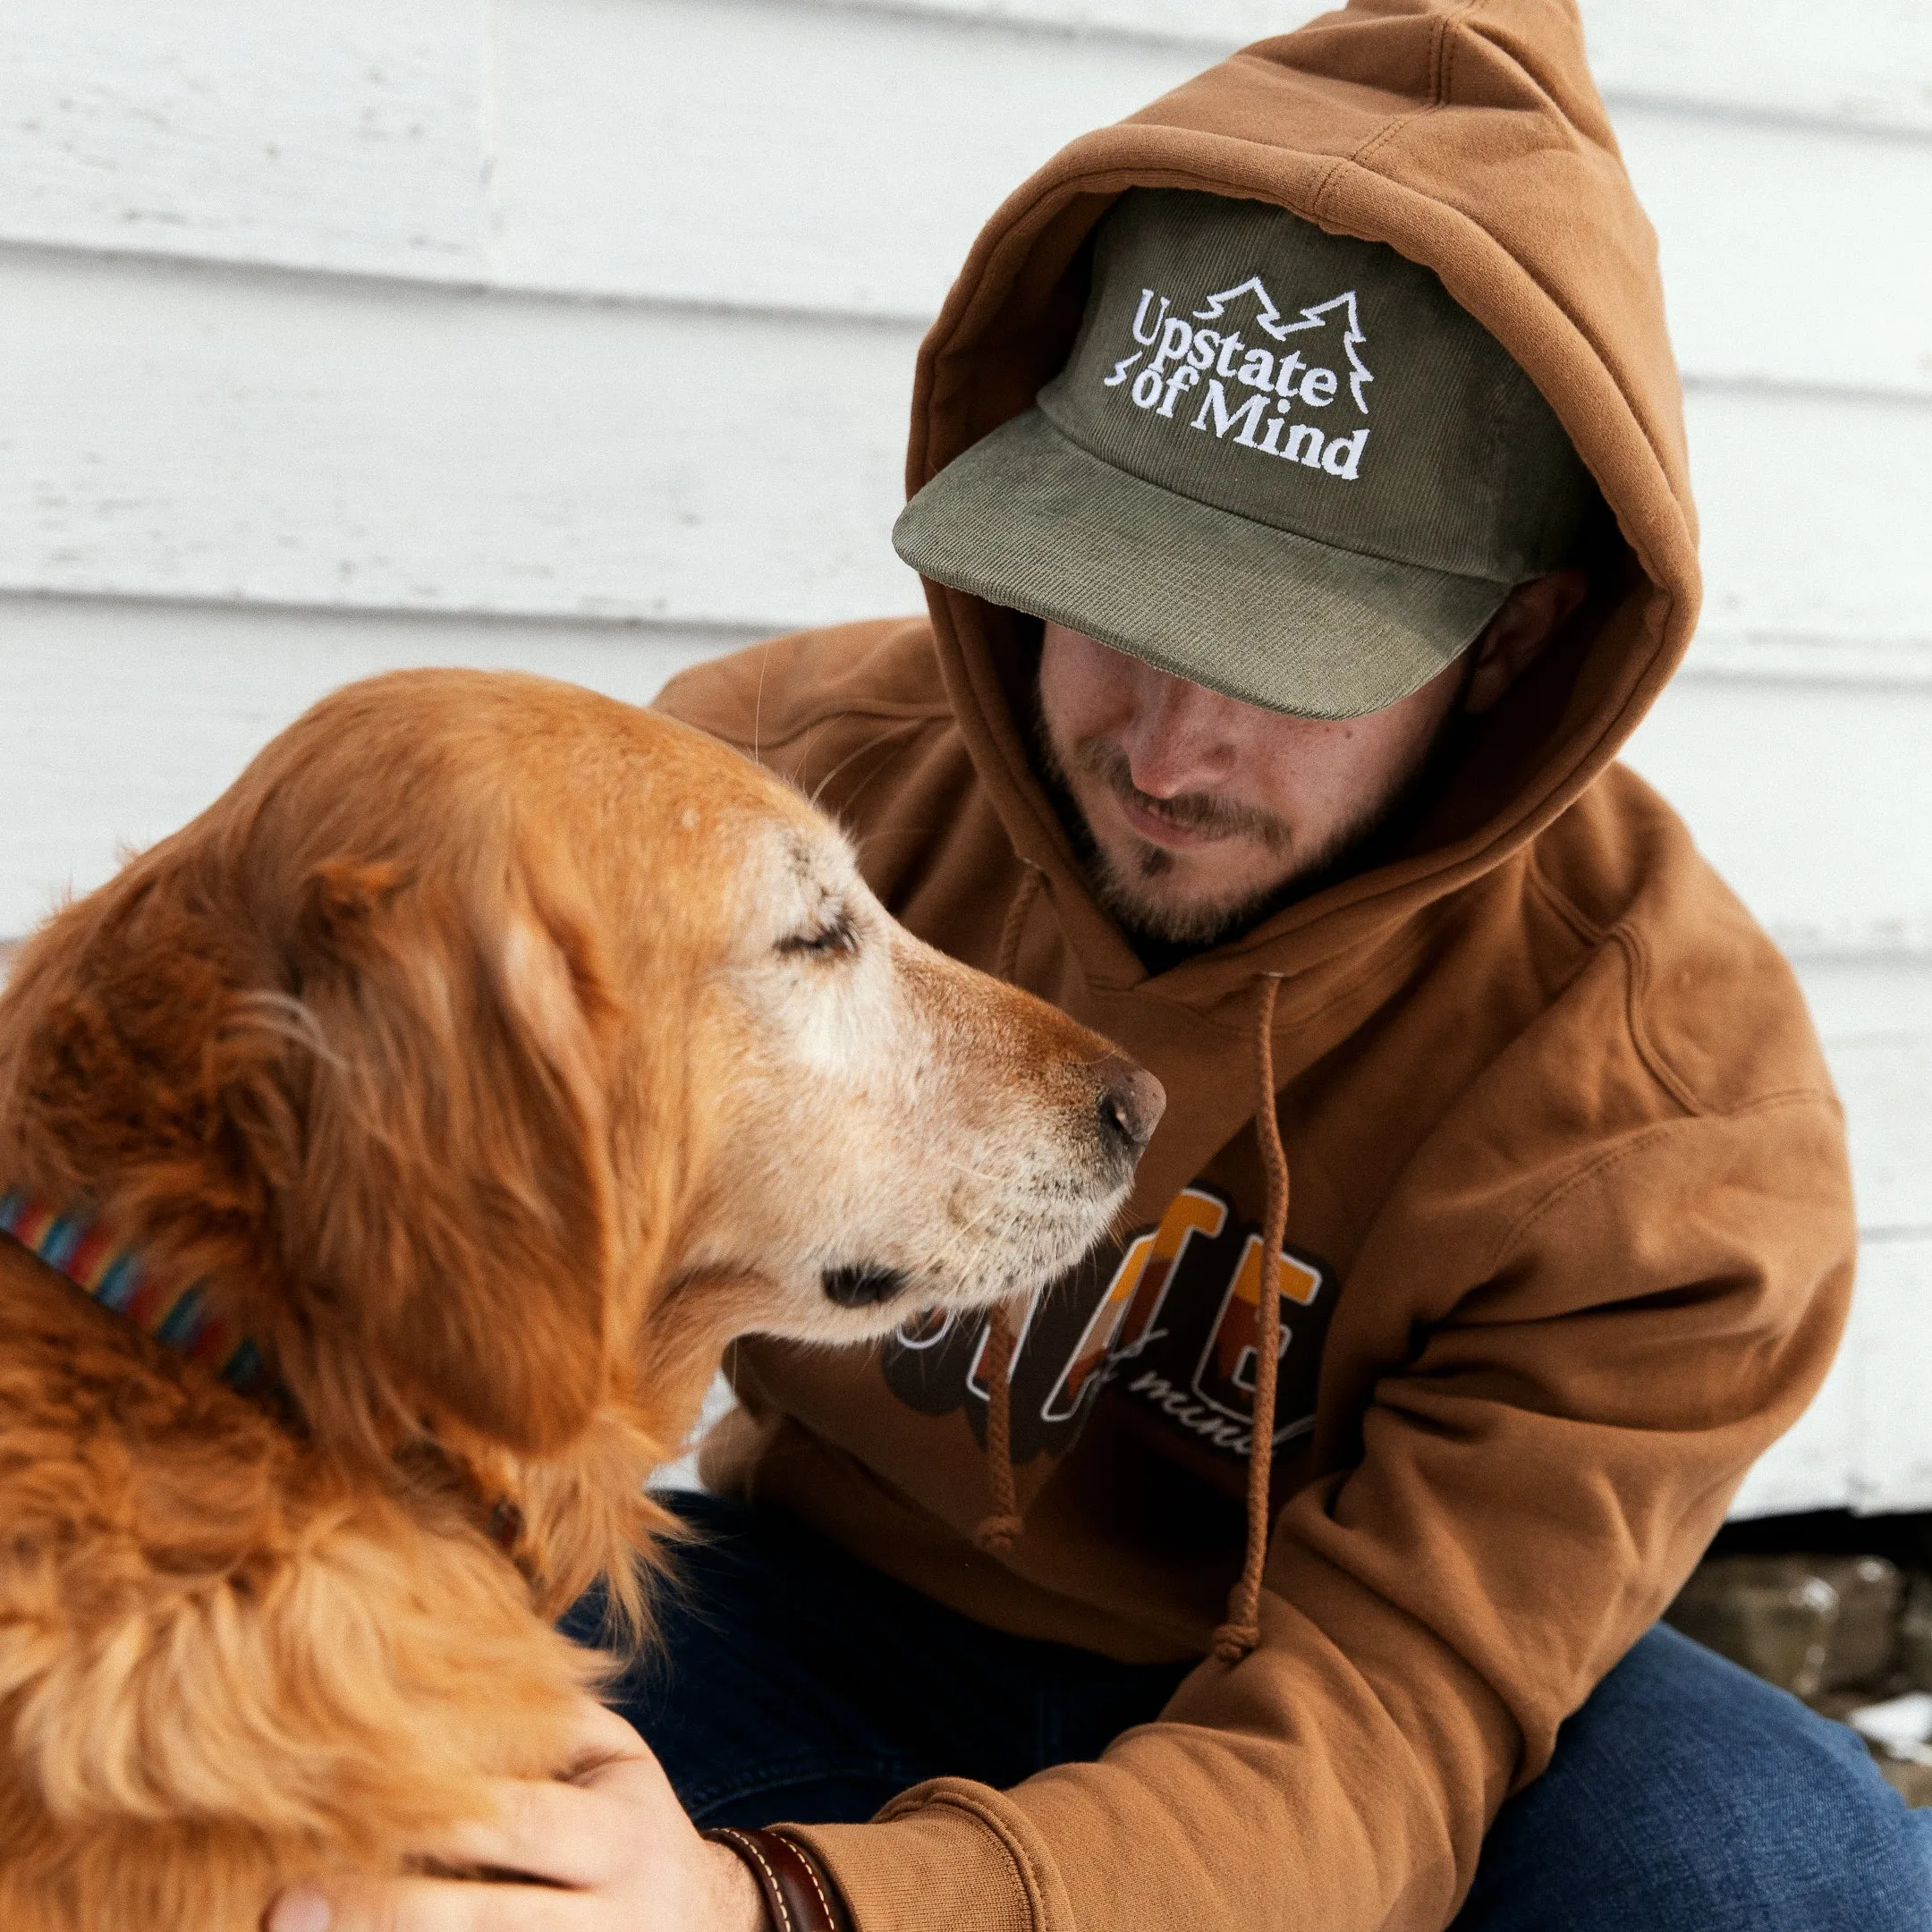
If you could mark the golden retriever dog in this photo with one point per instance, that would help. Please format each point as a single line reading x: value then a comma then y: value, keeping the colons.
x: 479, y: 1063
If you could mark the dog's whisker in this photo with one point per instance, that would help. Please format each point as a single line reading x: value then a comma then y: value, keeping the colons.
x: 757, y: 703
x: 858, y: 751
x: 965, y: 1232
x: 860, y: 790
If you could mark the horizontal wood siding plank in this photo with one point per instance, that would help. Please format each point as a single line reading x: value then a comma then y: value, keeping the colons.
x: 1203, y: 25
x: 762, y: 152
x: 1863, y: 1443
x: 1813, y: 801
x: 318, y: 133
x: 1868, y: 68
x: 125, y: 720
x: 1780, y: 249
x: 753, y: 152
x: 1875, y: 1016
x: 1815, y: 511
x: 1890, y: 1343
x: 766, y: 153
x: 214, y: 434
x: 217, y: 435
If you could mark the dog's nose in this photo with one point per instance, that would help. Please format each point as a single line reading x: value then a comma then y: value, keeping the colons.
x: 1132, y: 1103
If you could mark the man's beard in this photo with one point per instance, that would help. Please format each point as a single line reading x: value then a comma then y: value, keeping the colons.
x: 1163, y: 932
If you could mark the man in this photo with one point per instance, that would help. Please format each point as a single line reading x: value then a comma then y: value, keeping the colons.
x: 1300, y: 488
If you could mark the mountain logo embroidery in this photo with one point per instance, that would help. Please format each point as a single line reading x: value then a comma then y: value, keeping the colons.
x: 1170, y: 1318
x: 1220, y: 363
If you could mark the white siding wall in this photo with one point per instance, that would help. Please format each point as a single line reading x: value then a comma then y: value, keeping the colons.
x: 575, y: 335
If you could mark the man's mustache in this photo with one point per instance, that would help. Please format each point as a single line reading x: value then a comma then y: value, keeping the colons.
x: 1191, y: 811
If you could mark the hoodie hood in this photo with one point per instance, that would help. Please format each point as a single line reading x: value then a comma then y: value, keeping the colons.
x: 1447, y: 132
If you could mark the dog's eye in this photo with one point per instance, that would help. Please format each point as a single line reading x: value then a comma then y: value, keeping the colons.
x: 836, y: 935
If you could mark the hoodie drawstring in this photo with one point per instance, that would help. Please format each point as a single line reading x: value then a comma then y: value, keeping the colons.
x: 1031, y: 878
x: 1001, y: 1524
x: 1242, y: 1630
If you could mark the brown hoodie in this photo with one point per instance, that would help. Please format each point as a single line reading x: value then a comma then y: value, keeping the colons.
x: 1570, y: 1236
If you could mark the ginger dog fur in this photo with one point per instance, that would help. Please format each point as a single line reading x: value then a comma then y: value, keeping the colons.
x: 494, y: 1052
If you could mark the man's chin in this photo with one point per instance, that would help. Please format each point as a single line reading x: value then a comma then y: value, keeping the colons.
x: 1174, y: 916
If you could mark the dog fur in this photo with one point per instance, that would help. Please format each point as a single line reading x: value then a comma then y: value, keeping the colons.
x: 494, y: 1052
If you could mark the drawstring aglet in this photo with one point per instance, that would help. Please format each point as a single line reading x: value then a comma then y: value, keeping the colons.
x: 1233, y: 1641
x: 997, y: 1534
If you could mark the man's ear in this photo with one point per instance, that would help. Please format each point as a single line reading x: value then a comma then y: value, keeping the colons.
x: 456, y: 1208
x: 1531, y: 614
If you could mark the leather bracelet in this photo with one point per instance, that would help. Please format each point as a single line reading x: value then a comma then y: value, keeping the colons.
x: 797, y: 1899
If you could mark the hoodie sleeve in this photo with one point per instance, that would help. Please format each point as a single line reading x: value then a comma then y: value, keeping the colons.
x: 1531, y: 1490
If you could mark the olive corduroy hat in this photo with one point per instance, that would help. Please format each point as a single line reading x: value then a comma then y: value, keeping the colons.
x: 1279, y: 463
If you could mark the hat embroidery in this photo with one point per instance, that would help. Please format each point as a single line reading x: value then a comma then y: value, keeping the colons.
x: 1269, y: 317
x: 1187, y: 356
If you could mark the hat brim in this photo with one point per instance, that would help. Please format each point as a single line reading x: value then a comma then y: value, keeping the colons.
x: 1028, y: 520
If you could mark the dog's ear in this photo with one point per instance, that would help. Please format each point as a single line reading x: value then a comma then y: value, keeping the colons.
x: 455, y: 1200
x: 368, y: 1106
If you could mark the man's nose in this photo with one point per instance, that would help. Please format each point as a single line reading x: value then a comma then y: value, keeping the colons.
x: 1177, y: 742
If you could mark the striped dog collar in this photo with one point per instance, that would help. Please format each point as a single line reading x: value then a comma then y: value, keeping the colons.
x: 115, y: 1275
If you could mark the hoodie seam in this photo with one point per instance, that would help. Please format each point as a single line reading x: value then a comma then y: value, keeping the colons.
x: 1451, y: 41
x: 1441, y: 71
x: 1646, y: 553
x: 1032, y: 1888
x: 1627, y: 1150
x: 1560, y: 903
x: 1637, y: 964
x: 1630, y: 942
x: 1442, y: 63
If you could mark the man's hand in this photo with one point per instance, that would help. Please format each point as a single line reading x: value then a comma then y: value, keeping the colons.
x: 615, y: 1845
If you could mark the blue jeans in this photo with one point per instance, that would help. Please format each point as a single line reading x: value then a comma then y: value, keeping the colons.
x: 1685, y: 1796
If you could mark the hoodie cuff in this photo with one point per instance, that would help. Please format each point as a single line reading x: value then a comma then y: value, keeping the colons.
x: 950, y: 1852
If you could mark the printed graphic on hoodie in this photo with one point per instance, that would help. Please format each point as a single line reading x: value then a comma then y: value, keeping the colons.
x: 1170, y: 1318
x: 1271, y: 396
